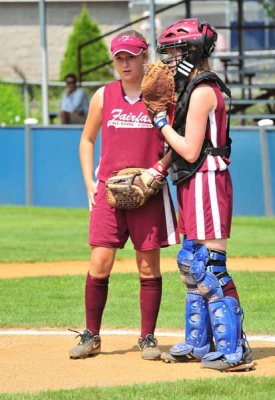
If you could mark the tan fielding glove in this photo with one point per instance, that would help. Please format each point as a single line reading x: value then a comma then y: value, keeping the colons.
x: 132, y: 187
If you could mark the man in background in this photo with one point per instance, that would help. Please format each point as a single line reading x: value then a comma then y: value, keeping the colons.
x: 74, y: 104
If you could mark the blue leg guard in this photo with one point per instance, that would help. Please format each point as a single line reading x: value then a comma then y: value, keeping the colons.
x: 226, y: 320
x: 232, y: 353
x: 204, y: 272
x: 198, y: 333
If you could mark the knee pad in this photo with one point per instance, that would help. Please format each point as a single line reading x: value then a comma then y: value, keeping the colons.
x: 226, y: 320
x: 207, y: 282
x: 198, y: 332
x: 184, y: 260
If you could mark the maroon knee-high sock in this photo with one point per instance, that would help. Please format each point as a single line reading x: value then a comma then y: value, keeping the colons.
x: 96, y: 292
x: 150, y: 298
x: 230, y: 290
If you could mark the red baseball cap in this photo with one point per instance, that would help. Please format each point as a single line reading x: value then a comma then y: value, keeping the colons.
x: 130, y: 44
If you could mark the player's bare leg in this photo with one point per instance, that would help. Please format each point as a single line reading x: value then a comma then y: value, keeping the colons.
x: 102, y: 261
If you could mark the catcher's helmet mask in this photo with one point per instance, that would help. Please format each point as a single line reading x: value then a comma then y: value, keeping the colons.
x: 195, y: 39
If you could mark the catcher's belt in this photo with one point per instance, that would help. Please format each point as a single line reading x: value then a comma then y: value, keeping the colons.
x: 131, y: 187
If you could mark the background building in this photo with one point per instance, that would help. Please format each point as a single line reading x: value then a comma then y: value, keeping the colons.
x: 20, y: 31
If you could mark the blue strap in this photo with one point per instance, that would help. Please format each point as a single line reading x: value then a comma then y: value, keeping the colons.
x: 225, y: 280
x: 216, y: 268
x: 213, y: 255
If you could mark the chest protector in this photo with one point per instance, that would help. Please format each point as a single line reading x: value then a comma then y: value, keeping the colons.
x: 180, y: 168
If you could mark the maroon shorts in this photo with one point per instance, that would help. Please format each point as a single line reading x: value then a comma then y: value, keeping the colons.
x: 205, y: 206
x: 151, y: 226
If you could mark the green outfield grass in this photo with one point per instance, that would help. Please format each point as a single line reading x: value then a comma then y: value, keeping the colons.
x: 32, y: 234
x: 231, y: 388
x: 59, y: 302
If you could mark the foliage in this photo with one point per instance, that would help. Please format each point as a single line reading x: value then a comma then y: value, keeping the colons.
x: 11, y: 105
x: 269, y: 6
x: 85, y: 28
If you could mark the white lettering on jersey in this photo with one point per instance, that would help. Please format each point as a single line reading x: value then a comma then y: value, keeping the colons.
x: 124, y: 120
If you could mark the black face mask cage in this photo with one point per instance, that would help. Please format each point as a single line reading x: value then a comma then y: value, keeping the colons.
x: 163, y: 48
x: 177, y: 58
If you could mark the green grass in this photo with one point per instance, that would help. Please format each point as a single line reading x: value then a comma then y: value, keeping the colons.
x: 252, y: 237
x: 30, y: 234
x: 33, y: 234
x: 229, y: 388
x: 59, y: 302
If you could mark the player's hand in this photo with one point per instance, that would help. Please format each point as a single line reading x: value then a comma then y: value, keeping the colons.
x: 160, y: 119
x: 91, y: 191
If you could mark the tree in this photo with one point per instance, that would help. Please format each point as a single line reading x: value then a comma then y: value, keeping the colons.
x: 85, y: 28
x: 269, y: 6
x: 11, y: 105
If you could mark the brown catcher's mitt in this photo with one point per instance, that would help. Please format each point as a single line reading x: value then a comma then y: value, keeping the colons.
x: 131, y: 188
x: 158, y: 88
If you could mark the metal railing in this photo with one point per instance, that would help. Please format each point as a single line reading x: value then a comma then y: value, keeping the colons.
x: 252, y: 87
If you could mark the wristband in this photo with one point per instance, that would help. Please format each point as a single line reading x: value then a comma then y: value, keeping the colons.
x: 158, y: 166
x: 161, y: 123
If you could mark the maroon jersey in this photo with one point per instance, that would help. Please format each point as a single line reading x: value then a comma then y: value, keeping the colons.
x: 216, y: 133
x: 205, y: 200
x: 128, y: 137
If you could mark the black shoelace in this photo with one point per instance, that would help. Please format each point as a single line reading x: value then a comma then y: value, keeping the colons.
x: 83, y: 336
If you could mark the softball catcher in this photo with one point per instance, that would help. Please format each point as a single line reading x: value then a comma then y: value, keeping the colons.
x: 199, y: 137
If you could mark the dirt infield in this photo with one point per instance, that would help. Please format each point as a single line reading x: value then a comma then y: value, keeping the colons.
x: 31, y: 363
x: 80, y: 267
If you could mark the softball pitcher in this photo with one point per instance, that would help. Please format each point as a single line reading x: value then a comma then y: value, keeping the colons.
x: 128, y: 139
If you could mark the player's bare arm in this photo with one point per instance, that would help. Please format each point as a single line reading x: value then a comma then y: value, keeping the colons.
x: 202, y: 102
x: 86, y: 147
